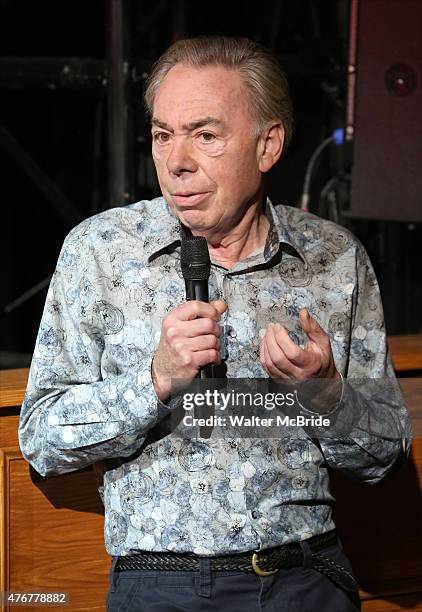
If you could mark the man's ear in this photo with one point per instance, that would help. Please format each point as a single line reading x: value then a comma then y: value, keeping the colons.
x: 271, y: 146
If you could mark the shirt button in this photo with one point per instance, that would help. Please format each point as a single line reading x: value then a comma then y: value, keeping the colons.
x: 232, y: 333
x: 254, y: 514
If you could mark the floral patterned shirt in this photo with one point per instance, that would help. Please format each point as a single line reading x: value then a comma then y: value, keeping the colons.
x: 90, y: 398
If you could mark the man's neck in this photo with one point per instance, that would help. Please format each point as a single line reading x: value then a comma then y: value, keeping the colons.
x: 249, y: 235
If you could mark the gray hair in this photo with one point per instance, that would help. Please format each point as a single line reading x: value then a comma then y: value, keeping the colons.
x: 261, y: 73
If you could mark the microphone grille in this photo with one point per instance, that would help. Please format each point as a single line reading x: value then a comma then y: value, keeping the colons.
x: 195, y: 258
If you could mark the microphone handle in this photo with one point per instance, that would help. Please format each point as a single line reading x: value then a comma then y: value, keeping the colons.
x: 198, y: 290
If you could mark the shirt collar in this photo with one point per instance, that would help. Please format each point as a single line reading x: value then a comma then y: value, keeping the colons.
x: 170, y: 235
x: 281, y: 232
x: 172, y: 232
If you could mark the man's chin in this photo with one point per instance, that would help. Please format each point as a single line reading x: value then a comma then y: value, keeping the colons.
x: 196, y: 220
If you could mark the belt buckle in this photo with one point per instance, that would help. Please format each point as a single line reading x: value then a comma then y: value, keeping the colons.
x: 258, y: 570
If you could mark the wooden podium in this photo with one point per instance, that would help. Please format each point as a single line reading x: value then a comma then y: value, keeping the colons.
x: 51, y: 529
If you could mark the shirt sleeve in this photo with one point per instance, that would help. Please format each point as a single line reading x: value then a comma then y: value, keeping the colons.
x: 73, y: 414
x: 370, y: 429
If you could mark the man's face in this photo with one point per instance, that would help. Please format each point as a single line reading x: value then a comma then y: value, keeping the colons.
x: 204, y: 147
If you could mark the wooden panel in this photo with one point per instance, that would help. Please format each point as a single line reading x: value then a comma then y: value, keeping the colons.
x: 56, y: 535
x: 9, y: 431
x: 406, y: 352
x: 12, y: 386
x: 394, y: 604
x: 51, y: 529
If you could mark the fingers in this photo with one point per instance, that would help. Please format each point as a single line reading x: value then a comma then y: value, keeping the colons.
x: 189, y: 340
x: 282, y: 358
x: 190, y: 329
x: 305, y: 320
x: 195, y: 309
x: 267, y: 362
x: 196, y: 359
x: 276, y: 348
x: 193, y: 319
x: 312, y: 328
x: 219, y: 305
x: 199, y: 343
x: 291, y: 350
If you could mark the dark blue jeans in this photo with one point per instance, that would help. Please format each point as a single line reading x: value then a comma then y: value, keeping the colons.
x: 299, y: 589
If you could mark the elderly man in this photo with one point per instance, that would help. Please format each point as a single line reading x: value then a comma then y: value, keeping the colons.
x: 213, y: 524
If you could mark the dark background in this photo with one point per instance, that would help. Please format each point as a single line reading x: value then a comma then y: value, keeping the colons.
x: 55, y: 135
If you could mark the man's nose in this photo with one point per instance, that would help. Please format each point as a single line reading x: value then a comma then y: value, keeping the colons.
x: 181, y: 157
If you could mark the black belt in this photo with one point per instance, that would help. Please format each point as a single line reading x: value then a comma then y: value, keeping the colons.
x: 263, y: 563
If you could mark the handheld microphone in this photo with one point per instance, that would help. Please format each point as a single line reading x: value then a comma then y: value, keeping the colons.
x: 196, y: 265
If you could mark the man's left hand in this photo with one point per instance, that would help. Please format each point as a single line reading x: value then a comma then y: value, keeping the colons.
x: 282, y: 358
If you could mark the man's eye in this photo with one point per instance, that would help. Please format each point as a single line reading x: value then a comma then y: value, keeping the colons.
x: 161, y: 137
x: 207, y: 136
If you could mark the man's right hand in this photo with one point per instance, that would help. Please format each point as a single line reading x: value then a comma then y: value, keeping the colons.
x: 190, y: 339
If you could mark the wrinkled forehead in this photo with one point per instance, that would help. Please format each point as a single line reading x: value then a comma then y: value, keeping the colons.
x: 213, y: 91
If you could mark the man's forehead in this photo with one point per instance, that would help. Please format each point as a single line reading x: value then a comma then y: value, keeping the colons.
x: 191, y: 97
x: 202, y: 83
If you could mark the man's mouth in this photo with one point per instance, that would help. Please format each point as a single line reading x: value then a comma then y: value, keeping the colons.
x: 189, y: 198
